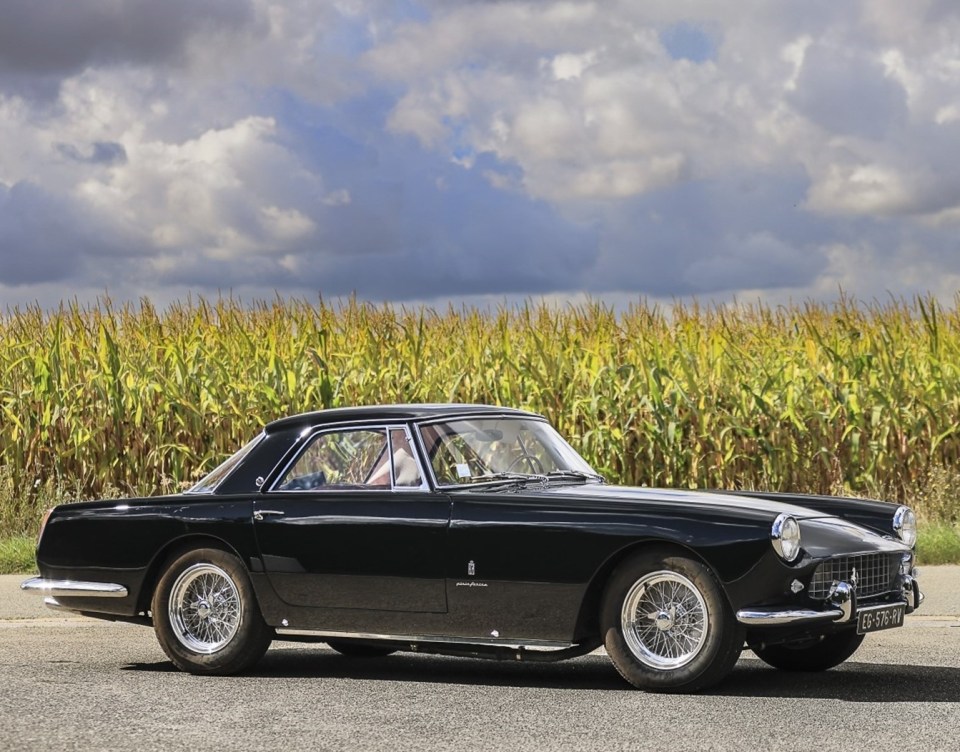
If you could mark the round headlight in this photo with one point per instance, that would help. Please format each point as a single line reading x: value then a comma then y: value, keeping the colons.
x: 905, y: 525
x: 785, y: 535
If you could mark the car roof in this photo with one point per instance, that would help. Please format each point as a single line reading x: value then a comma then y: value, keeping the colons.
x: 415, y: 412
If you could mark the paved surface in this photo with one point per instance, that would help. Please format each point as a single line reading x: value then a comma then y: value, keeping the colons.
x: 73, y: 683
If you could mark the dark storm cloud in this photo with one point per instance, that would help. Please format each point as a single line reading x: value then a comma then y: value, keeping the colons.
x: 416, y: 226
x: 744, y: 231
x: 48, y: 40
x: 39, y: 236
x: 845, y: 93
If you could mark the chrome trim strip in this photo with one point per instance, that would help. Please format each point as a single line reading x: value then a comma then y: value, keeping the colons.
x: 468, y: 414
x: 776, y: 618
x: 74, y: 588
x: 484, y: 641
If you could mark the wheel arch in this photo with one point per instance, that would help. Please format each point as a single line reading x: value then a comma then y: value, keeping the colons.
x: 165, y: 555
x: 588, y: 618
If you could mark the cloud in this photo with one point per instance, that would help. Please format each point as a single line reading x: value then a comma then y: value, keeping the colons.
x: 43, y: 238
x: 848, y: 94
x: 101, y: 152
x: 44, y: 39
x: 428, y: 149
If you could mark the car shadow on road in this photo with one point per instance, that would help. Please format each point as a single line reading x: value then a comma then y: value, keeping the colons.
x: 855, y: 682
x: 590, y: 672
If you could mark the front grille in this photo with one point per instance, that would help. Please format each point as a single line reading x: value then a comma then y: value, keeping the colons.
x: 876, y: 574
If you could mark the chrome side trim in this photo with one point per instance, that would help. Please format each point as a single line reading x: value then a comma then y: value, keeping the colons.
x: 74, y: 588
x: 413, y: 639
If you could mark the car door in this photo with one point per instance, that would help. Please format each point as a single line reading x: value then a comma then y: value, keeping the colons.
x: 351, y: 524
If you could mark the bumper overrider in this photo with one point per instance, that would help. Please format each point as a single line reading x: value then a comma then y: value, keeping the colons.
x: 841, y: 607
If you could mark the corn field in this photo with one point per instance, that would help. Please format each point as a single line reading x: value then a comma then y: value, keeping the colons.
x: 842, y: 398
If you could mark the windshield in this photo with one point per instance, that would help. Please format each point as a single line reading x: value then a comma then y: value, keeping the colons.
x: 221, y: 471
x: 480, y: 450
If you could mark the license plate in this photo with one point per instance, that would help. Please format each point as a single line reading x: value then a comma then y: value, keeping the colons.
x: 876, y: 619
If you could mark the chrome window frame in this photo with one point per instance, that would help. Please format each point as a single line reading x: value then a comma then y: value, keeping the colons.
x: 310, y: 434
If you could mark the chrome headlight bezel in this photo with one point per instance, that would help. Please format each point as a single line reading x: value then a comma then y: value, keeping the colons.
x: 785, y: 537
x: 905, y: 525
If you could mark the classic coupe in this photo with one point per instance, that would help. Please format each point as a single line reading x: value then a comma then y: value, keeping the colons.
x: 478, y: 531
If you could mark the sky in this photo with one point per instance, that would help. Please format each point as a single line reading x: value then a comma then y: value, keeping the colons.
x: 479, y: 151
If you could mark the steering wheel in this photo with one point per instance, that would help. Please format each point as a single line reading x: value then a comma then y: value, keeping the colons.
x: 534, y: 465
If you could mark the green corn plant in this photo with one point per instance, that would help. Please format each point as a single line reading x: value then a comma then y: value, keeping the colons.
x: 844, y: 398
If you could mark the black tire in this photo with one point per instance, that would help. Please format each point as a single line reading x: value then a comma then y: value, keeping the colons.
x: 688, y: 615
x: 206, y: 615
x: 359, y: 649
x: 830, y: 651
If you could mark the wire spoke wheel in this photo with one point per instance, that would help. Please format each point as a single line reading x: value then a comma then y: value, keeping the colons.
x: 664, y: 620
x: 204, y: 608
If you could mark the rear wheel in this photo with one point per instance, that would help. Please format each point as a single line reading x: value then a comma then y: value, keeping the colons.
x: 829, y: 651
x: 206, y: 616
x: 666, y: 624
x: 359, y: 649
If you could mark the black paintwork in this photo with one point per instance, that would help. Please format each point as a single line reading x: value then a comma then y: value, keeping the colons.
x: 529, y: 563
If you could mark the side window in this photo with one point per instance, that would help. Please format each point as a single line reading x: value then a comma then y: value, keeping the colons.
x: 356, y: 458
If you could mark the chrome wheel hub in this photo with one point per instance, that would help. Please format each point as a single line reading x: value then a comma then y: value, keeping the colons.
x: 664, y: 620
x: 204, y: 608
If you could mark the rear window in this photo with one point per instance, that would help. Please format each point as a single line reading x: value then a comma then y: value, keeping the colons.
x: 221, y: 471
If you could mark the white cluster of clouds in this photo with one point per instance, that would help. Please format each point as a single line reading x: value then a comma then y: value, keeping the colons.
x: 441, y: 149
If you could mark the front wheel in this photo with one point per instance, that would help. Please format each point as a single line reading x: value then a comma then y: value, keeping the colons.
x: 206, y: 616
x: 831, y: 650
x: 666, y: 624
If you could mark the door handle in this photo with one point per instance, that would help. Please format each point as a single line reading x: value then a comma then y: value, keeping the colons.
x: 259, y: 514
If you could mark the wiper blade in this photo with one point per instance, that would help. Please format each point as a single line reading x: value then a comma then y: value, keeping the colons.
x: 509, y: 477
x: 576, y: 475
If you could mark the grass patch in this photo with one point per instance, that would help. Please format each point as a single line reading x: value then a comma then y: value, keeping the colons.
x: 17, y: 555
x: 938, y: 544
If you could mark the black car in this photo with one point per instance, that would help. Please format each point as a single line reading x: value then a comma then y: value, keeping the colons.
x: 478, y: 531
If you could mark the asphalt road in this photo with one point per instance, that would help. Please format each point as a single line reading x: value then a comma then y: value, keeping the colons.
x: 70, y: 683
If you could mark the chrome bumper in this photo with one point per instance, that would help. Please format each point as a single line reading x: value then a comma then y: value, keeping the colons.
x: 842, y: 608
x: 73, y: 588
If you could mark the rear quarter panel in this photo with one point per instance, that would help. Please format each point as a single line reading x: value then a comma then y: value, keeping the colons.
x: 127, y: 541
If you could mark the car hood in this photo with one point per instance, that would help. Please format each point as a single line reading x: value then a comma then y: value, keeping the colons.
x: 740, y: 505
